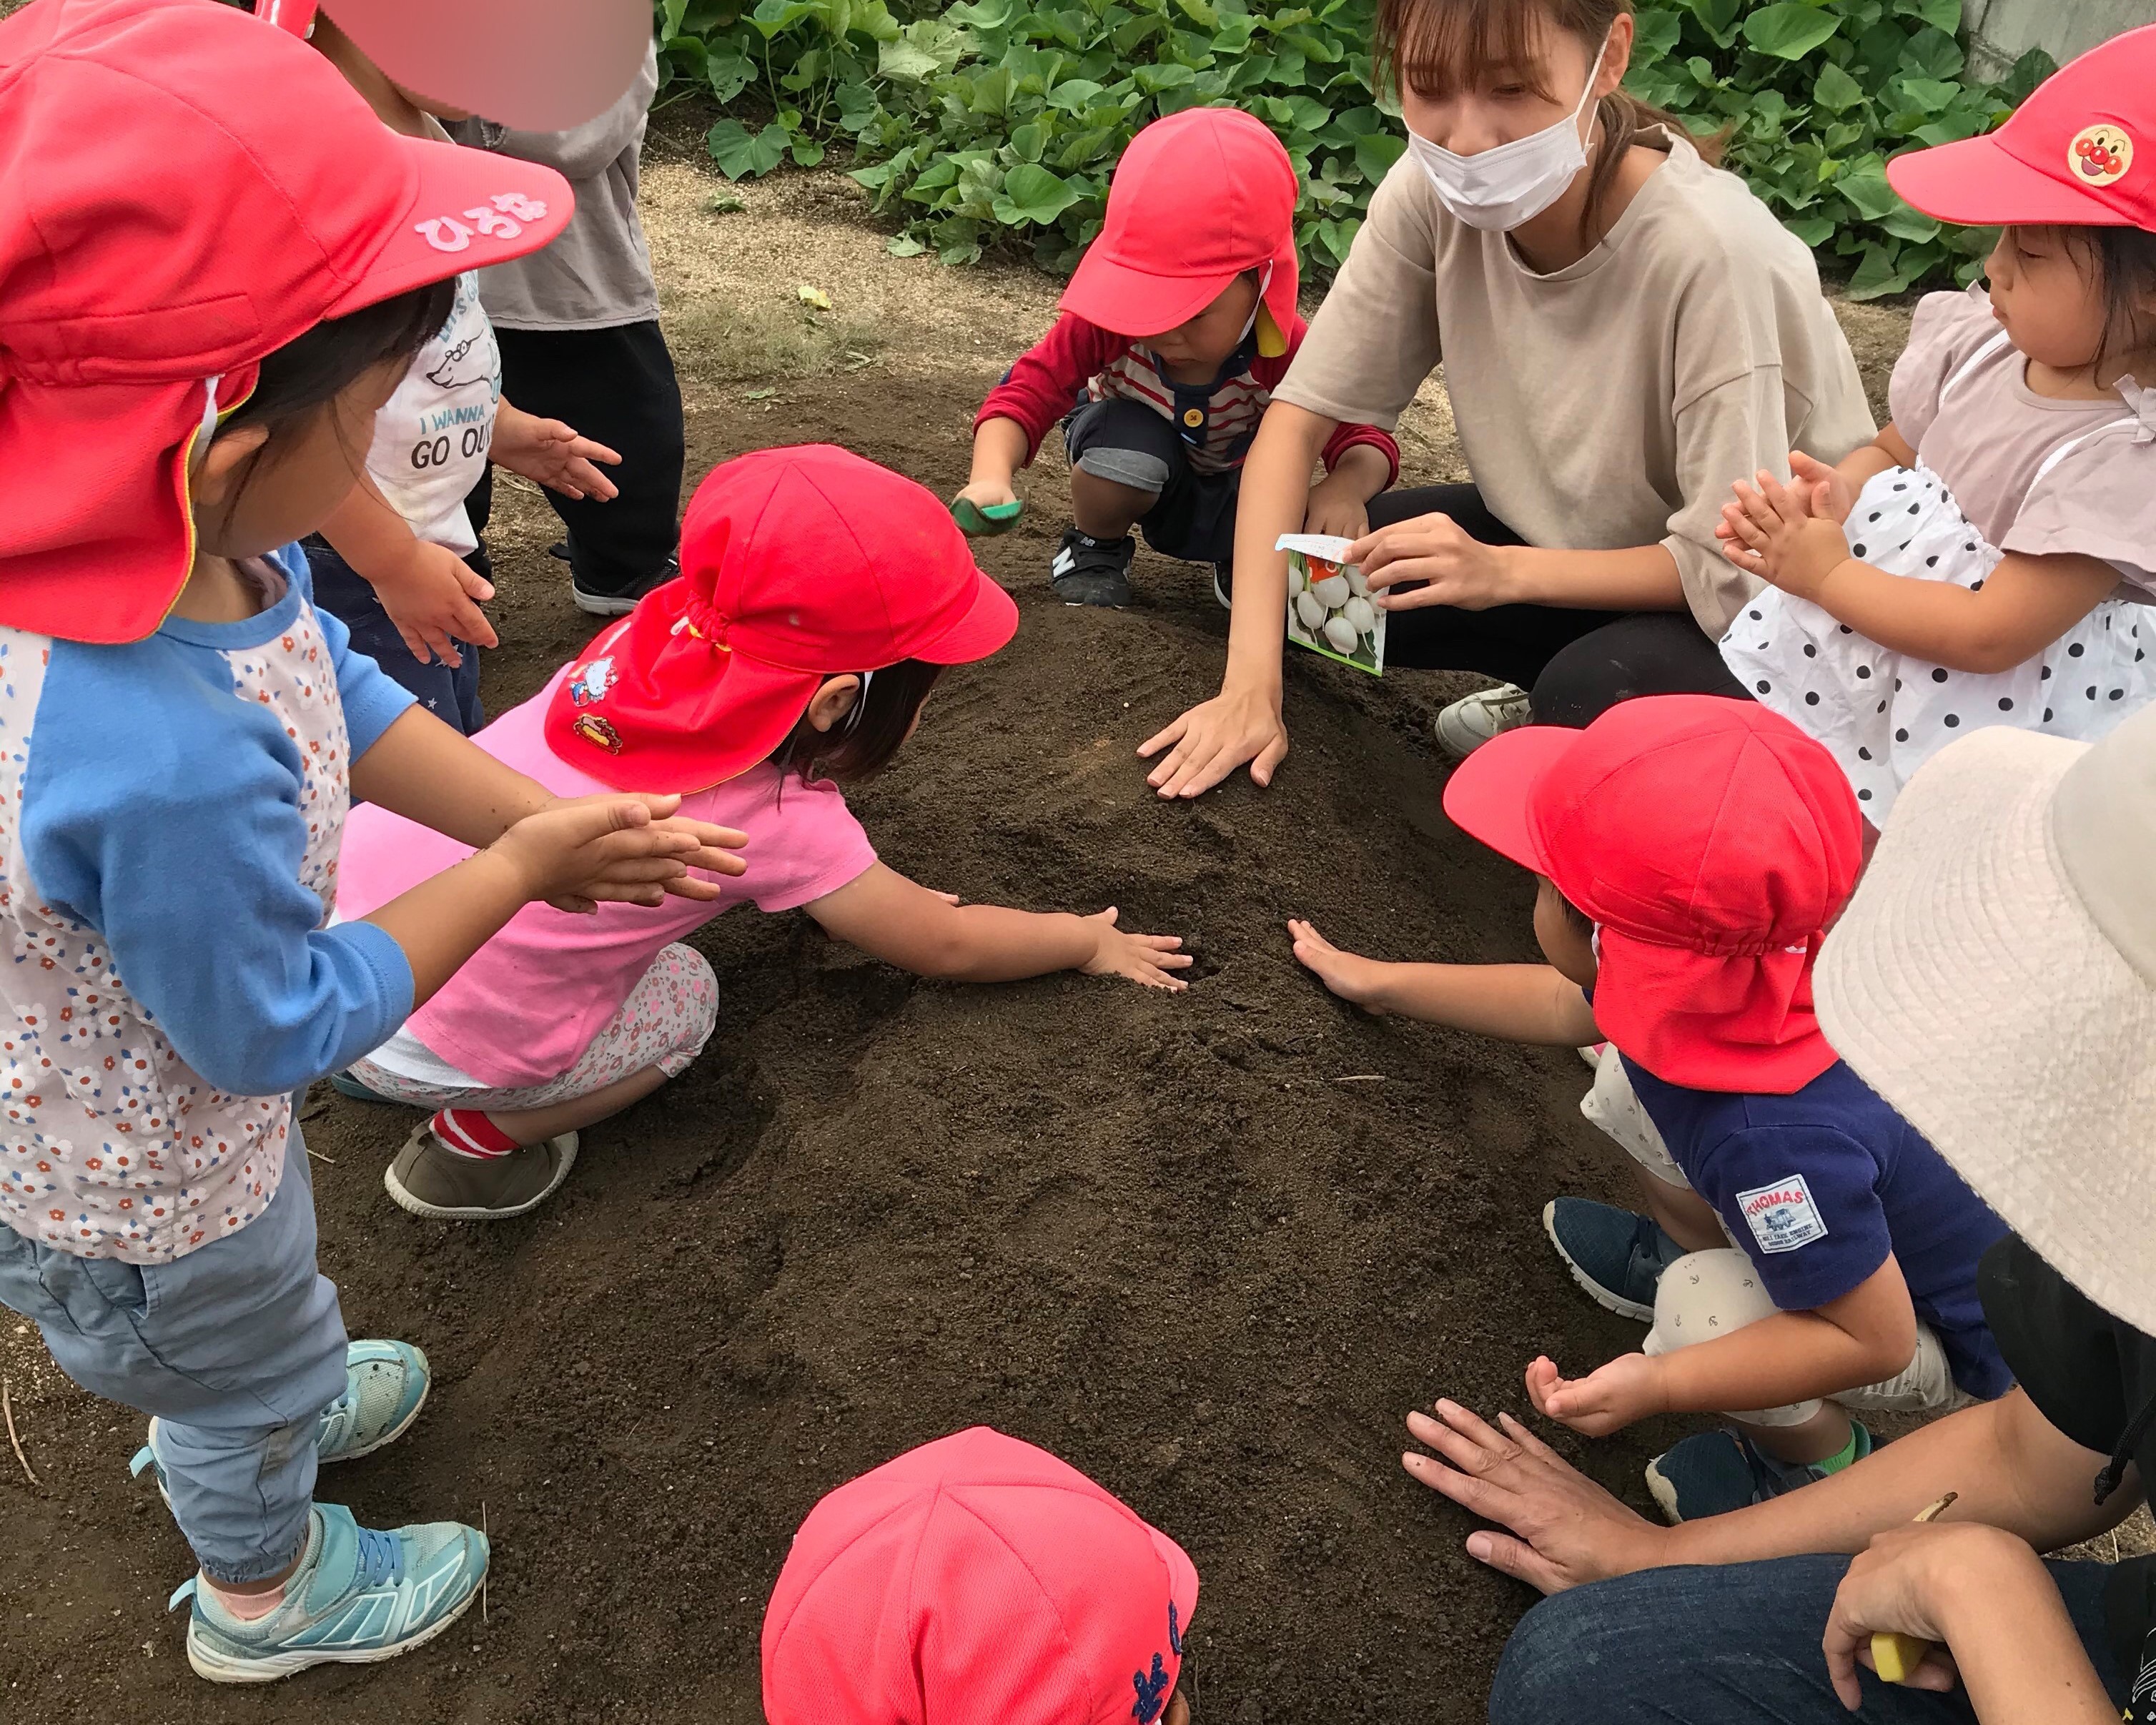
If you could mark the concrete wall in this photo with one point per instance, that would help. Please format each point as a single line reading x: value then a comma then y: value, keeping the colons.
x: 2005, y: 29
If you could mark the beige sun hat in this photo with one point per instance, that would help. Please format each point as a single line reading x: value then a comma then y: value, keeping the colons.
x: 1994, y: 978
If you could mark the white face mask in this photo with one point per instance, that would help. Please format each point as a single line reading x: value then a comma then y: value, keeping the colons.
x: 1509, y: 183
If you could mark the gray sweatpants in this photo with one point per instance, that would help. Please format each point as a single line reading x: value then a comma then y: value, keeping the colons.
x: 235, y: 1348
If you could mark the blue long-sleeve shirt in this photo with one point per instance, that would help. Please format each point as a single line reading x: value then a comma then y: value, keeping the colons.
x: 170, y: 815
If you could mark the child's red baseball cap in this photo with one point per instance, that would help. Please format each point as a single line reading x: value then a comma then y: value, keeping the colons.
x: 976, y: 1581
x: 1712, y: 843
x: 2081, y: 152
x: 1198, y: 198
x: 182, y: 192
x: 796, y: 564
x: 539, y: 66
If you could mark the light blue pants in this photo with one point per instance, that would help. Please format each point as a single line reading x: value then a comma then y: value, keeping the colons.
x: 235, y: 1348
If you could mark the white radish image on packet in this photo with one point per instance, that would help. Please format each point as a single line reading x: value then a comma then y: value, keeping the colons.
x: 1329, y: 609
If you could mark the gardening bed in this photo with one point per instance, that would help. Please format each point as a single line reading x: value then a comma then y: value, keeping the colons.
x: 1208, y: 1248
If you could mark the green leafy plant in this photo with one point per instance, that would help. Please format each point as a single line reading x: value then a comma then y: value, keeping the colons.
x: 1813, y: 97
x: 992, y: 122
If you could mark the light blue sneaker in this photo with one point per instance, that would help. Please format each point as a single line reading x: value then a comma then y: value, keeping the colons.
x: 386, y: 1385
x: 359, y: 1596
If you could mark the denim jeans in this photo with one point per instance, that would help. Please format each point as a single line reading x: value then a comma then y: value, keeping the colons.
x: 235, y: 1348
x: 1733, y: 1645
x: 450, y: 692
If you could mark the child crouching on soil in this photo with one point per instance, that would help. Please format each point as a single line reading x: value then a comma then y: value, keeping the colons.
x: 1177, y: 326
x: 192, y: 379
x: 1691, y: 851
x: 821, y: 596
x: 978, y: 1578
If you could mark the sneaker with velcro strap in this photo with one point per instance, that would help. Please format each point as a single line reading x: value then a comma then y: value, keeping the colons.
x: 360, y: 1595
x: 1086, y: 571
x: 1711, y: 1473
x: 1617, y: 1256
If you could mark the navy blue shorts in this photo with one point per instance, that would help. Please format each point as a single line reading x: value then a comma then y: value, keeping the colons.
x: 1126, y: 443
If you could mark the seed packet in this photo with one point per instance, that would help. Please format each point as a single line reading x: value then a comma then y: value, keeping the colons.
x: 1328, y: 607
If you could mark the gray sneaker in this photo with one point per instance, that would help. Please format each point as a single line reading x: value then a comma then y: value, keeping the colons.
x: 432, y: 1180
x: 1469, y: 722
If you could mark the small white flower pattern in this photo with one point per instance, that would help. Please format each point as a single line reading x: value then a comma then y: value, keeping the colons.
x: 111, y: 1145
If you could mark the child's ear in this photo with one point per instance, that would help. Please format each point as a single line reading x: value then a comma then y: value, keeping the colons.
x: 832, y: 702
x: 215, y: 468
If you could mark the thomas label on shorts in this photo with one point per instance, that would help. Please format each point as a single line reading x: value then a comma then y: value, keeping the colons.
x: 1783, y: 1216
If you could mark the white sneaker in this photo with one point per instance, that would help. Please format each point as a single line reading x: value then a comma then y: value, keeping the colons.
x: 1469, y: 722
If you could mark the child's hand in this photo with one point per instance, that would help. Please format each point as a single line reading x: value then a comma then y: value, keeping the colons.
x: 1337, y: 508
x: 432, y: 595
x: 1351, y: 978
x: 1825, y: 491
x: 987, y: 494
x: 1770, y: 532
x: 550, y: 453
x: 1152, y: 959
x: 1628, y: 1387
x: 986, y: 507
x: 579, y: 852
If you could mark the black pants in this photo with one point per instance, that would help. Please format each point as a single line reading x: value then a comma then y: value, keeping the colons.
x: 450, y: 692
x: 617, y: 387
x: 1576, y: 664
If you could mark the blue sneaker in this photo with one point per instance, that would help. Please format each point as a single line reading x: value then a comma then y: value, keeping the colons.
x: 1616, y: 1256
x: 386, y: 1385
x: 359, y: 1596
x: 1713, y: 1472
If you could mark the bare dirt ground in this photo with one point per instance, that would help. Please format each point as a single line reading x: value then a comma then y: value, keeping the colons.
x: 1206, y: 1248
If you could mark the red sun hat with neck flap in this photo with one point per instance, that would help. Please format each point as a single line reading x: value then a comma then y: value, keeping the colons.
x: 1712, y: 843
x: 976, y: 1580
x: 1198, y: 198
x: 182, y: 192
x: 2080, y: 152
x: 796, y: 565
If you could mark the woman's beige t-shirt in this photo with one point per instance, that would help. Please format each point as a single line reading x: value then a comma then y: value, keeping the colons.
x: 1614, y: 403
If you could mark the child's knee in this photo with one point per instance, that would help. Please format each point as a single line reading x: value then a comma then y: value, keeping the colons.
x: 1705, y: 1295
x: 1138, y: 470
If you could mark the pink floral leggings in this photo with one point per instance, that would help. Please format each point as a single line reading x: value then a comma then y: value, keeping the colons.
x: 665, y: 1022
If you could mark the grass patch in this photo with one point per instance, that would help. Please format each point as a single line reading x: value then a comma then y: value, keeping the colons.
x: 771, y: 341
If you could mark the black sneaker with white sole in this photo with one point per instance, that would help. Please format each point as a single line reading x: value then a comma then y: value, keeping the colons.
x: 620, y: 605
x: 1092, y: 572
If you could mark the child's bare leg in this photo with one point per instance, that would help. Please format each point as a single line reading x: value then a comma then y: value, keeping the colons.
x: 1682, y: 1213
x: 1820, y: 1438
x: 534, y: 1125
x: 1102, y: 509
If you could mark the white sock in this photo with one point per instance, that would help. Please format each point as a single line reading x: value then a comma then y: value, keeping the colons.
x: 247, y: 1607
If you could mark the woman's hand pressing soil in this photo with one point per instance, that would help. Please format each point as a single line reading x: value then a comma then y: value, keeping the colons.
x: 1152, y: 959
x: 1565, y: 1530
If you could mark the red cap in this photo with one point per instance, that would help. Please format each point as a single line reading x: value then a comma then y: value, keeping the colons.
x: 181, y: 192
x: 1712, y: 843
x: 796, y: 564
x: 539, y: 66
x: 976, y: 1581
x: 1198, y: 198
x: 2081, y: 152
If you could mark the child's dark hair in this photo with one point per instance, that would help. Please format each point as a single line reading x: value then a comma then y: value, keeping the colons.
x: 2120, y: 262
x: 1426, y: 45
x: 312, y: 369
x: 1577, y: 920
x: 864, y: 741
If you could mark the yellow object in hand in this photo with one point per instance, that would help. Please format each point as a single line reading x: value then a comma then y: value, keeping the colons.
x: 1894, y: 1656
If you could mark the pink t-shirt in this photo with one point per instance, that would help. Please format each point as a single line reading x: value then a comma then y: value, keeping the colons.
x: 528, y: 1004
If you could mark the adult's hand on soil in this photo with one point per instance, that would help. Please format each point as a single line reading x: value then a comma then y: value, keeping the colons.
x: 1564, y: 1529
x: 1152, y: 959
x: 1215, y: 737
x: 1455, y: 568
x: 1352, y: 978
x: 433, y: 596
x: 1608, y: 1399
x: 580, y: 852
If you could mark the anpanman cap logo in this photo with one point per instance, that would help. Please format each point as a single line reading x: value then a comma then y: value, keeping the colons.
x: 2102, y: 154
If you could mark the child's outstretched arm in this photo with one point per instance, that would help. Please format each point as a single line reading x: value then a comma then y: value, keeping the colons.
x: 431, y: 594
x: 2025, y: 604
x: 1000, y: 448
x: 425, y: 771
x: 902, y: 923
x: 1521, y: 1003
x: 1866, y: 1337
